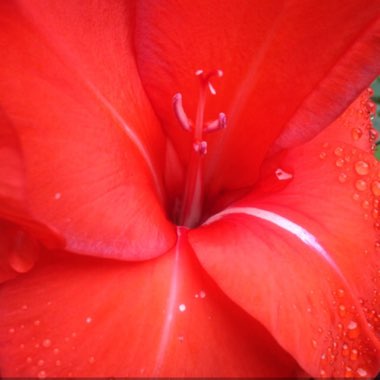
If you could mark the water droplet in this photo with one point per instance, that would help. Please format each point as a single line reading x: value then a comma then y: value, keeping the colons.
x: 46, y: 343
x: 375, y: 214
x: 375, y: 187
x: 322, y: 155
x: 345, y: 351
x: 338, y: 151
x: 24, y: 307
x: 74, y: 334
x: 322, y: 372
x: 91, y: 360
x: 88, y: 320
x: 361, y: 372
x: 325, y: 145
x: 353, y: 330
x: 356, y: 133
x: 348, y: 372
x: 342, y: 178
x: 340, y: 162
x: 182, y: 307
x: 314, y: 343
x: 361, y: 185
x: 362, y: 167
x: 37, y: 322
x: 57, y: 196
x: 29, y: 359
x: 40, y: 362
x: 365, y: 204
x: 202, y: 294
x: 56, y: 351
x: 11, y: 330
x: 372, y: 134
x: 342, y: 311
x: 283, y: 175
x: 58, y: 363
x: 354, y: 354
x: 340, y: 293
x: 42, y: 375
x: 356, y: 197
x: 20, y: 264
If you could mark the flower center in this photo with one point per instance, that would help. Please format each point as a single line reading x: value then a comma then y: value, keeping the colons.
x: 192, y: 201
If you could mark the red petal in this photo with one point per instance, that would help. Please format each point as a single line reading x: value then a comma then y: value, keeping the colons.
x: 91, y: 144
x: 289, y: 67
x: 304, y: 260
x: 158, y: 318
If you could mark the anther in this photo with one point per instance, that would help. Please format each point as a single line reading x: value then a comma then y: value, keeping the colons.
x: 180, y: 112
x: 200, y: 147
x: 216, y: 125
x: 205, y: 78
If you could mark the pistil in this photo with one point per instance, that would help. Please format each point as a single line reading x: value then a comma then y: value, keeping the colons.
x: 192, y: 201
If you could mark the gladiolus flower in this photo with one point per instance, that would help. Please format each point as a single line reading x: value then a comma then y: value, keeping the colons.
x: 160, y: 223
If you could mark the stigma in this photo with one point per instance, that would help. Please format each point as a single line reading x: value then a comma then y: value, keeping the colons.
x: 192, y: 202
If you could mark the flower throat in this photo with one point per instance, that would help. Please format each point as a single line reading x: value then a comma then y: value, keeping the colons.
x: 192, y: 202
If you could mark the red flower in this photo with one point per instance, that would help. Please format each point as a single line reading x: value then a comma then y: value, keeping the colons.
x: 278, y: 274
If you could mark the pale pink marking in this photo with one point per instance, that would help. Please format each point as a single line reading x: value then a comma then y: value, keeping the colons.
x: 170, y: 309
x: 131, y: 134
x: 301, y: 233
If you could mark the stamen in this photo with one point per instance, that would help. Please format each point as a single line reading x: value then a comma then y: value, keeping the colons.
x: 180, y: 112
x: 191, y: 208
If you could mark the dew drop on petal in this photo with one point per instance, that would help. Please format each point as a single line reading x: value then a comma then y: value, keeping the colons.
x: 91, y: 360
x: 354, y: 354
x: 322, y: 155
x: 356, y: 197
x: 361, y: 167
x: 46, y: 343
x: 340, y: 293
x: 342, y: 178
x: 365, y: 204
x: 40, y: 362
x: 375, y: 187
x: 56, y: 351
x: 342, y: 310
x: 37, y: 322
x: 345, y: 351
x: 283, y: 175
x: 356, y: 133
x: 361, y: 372
x: 57, y: 196
x: 42, y: 375
x: 353, y: 330
x: 338, y: 151
x: 88, y: 320
x: 361, y: 185
x: 58, y: 363
x: 20, y: 264
x: 182, y: 307
x: 348, y: 372
x: 340, y: 162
